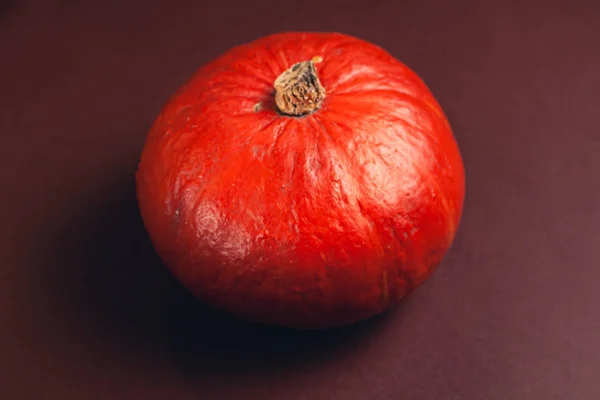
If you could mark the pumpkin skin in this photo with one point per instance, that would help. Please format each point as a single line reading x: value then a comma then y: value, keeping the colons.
x: 312, y: 221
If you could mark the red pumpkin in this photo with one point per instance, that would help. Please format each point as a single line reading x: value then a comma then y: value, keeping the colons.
x: 307, y: 180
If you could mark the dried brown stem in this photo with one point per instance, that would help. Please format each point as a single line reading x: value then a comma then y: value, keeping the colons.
x: 298, y: 90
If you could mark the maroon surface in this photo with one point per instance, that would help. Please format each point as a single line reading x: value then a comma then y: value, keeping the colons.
x: 87, y: 312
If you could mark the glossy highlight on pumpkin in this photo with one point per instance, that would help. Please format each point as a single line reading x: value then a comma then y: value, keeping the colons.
x: 309, y: 221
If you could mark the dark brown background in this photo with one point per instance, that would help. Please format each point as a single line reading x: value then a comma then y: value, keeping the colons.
x: 87, y: 312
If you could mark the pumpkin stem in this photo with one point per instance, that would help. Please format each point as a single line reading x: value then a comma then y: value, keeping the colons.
x: 298, y: 90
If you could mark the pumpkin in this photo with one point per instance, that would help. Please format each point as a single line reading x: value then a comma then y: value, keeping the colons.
x: 304, y: 180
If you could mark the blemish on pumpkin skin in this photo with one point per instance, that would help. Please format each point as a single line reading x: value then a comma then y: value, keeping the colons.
x: 177, y: 120
x: 176, y: 219
x: 258, y: 107
x: 258, y: 153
